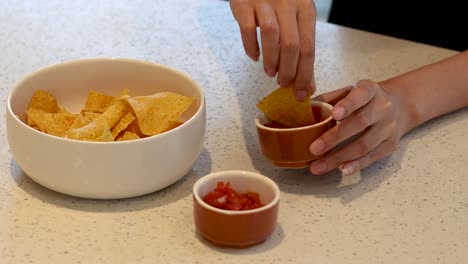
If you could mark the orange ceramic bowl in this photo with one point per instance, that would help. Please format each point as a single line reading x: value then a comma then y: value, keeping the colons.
x: 289, y: 147
x: 236, y: 228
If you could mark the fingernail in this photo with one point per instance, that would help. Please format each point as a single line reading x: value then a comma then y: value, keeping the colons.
x: 270, y: 71
x: 349, y: 168
x: 318, y: 167
x: 338, y: 113
x: 317, y: 147
x: 301, y: 95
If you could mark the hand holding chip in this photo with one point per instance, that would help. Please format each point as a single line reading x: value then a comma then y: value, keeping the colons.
x: 287, y: 39
x: 370, y: 118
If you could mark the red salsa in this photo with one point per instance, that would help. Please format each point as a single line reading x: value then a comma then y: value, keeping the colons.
x: 316, y: 111
x: 224, y: 197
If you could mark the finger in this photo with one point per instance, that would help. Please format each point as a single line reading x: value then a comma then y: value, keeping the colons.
x: 380, y: 152
x: 245, y: 16
x: 304, y: 81
x: 363, y: 92
x: 363, y: 145
x: 352, y: 125
x: 334, y: 96
x: 269, y: 31
x: 289, y: 43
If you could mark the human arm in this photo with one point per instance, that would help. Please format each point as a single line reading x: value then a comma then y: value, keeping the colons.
x: 383, y: 112
x: 287, y: 30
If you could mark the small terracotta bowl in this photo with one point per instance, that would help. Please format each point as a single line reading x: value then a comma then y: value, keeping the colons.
x: 289, y: 147
x: 238, y: 229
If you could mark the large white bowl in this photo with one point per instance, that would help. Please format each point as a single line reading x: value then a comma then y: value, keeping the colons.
x: 104, y: 170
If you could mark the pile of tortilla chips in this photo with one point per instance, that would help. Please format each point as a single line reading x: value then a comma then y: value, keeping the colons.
x: 108, y: 118
x: 282, y: 106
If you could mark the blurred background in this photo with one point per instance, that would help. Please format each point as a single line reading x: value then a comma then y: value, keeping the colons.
x: 323, y: 9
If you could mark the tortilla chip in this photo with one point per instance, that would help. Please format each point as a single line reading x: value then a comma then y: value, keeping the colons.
x: 90, y: 115
x: 42, y: 100
x: 135, y: 129
x: 106, y: 135
x: 98, y: 102
x: 125, y: 94
x: 127, y: 136
x: 78, y: 122
x: 115, y: 112
x: 94, y: 129
x: 174, y: 123
x: 281, y: 106
x: 106, y: 118
x: 83, y: 119
x: 156, y: 113
x: 122, y: 124
x: 56, y: 124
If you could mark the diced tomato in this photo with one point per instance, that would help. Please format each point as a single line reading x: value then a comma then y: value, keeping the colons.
x: 316, y: 111
x: 224, y: 197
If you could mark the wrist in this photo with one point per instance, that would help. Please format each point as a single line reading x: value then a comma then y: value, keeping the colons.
x: 408, y: 116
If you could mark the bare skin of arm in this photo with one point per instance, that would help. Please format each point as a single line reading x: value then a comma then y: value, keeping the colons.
x: 382, y: 112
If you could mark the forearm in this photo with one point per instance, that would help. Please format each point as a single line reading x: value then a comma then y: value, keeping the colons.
x: 430, y: 91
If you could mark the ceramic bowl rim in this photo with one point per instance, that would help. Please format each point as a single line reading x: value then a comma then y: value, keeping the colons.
x: 32, y: 74
x: 233, y: 173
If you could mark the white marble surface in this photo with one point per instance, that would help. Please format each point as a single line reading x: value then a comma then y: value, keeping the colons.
x: 411, y: 207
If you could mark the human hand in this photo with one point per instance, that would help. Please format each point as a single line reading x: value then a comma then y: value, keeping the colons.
x: 287, y: 29
x: 367, y: 111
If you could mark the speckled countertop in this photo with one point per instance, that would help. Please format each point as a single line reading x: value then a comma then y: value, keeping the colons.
x: 411, y: 207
